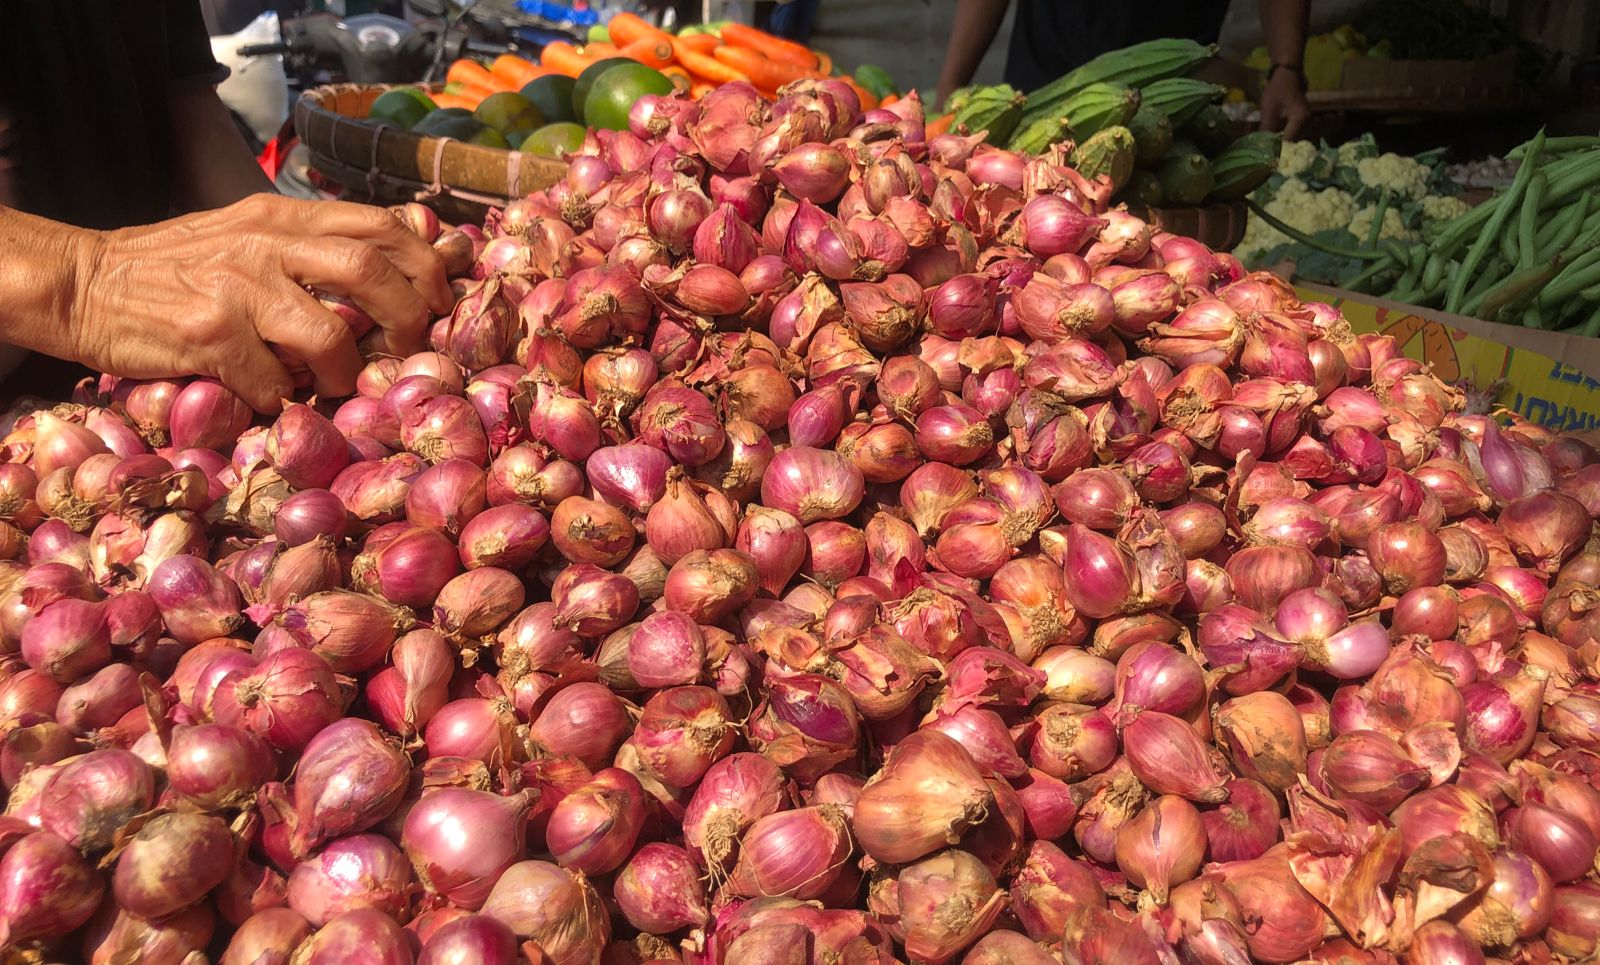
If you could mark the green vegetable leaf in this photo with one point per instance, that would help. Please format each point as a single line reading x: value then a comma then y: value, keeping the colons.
x: 1315, y: 265
x: 1346, y: 179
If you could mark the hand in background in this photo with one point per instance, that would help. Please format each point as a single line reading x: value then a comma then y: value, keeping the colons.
x: 1283, y: 104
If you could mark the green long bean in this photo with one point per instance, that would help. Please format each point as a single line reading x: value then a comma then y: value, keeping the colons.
x: 1515, y: 288
x: 1433, y: 271
x: 1528, y: 218
x: 1478, y: 286
x: 1358, y: 283
x: 1568, y: 180
x: 1405, y: 283
x: 1559, y: 145
x: 1558, y: 234
x: 1575, y: 277
x: 1378, y: 211
x: 1469, y: 264
x: 1508, y: 245
x: 1567, y: 175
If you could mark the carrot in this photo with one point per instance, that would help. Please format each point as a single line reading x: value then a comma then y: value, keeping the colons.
x: 515, y: 70
x: 466, y: 71
x: 477, y: 91
x: 824, y: 64
x: 701, y: 43
x: 765, y: 73
x: 472, y: 94
x: 562, y: 58
x: 681, y: 81
x: 626, y: 28
x: 777, y: 48
x: 701, y: 88
x: 600, y: 51
x: 444, y: 99
x: 650, y: 51
x: 707, y: 68
x: 891, y: 99
x: 939, y: 125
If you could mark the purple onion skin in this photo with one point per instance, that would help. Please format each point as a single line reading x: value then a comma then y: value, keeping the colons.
x: 966, y: 445
x: 366, y: 935
x: 47, y: 889
x: 473, y: 940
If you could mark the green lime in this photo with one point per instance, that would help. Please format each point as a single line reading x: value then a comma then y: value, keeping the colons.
x: 456, y: 122
x: 450, y: 113
x: 598, y: 34
x: 507, y: 112
x: 400, y: 108
x: 615, y: 91
x: 591, y: 73
x: 489, y: 137
x: 555, y: 141
x: 421, y: 96
x: 552, y: 95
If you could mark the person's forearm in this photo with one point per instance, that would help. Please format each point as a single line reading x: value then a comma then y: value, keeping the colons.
x: 40, y: 280
x: 212, y: 165
x: 1284, y: 23
x: 973, y: 29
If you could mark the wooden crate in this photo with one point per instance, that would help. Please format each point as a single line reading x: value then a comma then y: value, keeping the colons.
x: 1425, y: 86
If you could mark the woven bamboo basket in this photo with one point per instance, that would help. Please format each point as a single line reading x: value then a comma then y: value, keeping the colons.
x: 1219, y: 226
x: 385, y: 164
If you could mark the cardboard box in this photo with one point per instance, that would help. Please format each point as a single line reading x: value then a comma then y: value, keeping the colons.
x: 1549, y: 378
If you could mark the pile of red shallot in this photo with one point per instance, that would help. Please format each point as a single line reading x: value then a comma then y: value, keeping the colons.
x: 807, y: 542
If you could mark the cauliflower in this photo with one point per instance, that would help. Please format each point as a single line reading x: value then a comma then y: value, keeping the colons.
x: 1351, y: 152
x: 1322, y: 190
x: 1295, y: 157
x: 1312, y: 211
x: 1405, y: 177
x: 1303, y: 209
x: 1394, y: 226
x: 1437, y: 207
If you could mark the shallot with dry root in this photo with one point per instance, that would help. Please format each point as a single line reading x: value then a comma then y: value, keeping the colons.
x: 807, y: 541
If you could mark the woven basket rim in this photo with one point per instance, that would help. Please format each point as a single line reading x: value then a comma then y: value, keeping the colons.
x: 1219, y: 225
x: 394, y: 164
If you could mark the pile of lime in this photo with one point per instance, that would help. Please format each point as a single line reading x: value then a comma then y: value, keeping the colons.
x: 547, y: 117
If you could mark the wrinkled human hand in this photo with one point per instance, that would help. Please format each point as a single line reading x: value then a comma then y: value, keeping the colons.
x: 1283, y: 104
x: 216, y: 293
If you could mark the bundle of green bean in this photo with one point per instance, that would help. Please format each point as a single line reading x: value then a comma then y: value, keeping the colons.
x: 1530, y: 255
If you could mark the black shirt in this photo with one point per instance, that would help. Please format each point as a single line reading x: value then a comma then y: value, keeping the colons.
x: 1050, y: 37
x: 84, y: 87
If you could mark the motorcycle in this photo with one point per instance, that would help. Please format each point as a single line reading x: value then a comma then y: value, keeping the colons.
x: 322, y: 48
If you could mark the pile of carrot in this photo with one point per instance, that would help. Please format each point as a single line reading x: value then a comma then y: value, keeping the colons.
x: 696, y: 63
x: 469, y: 82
